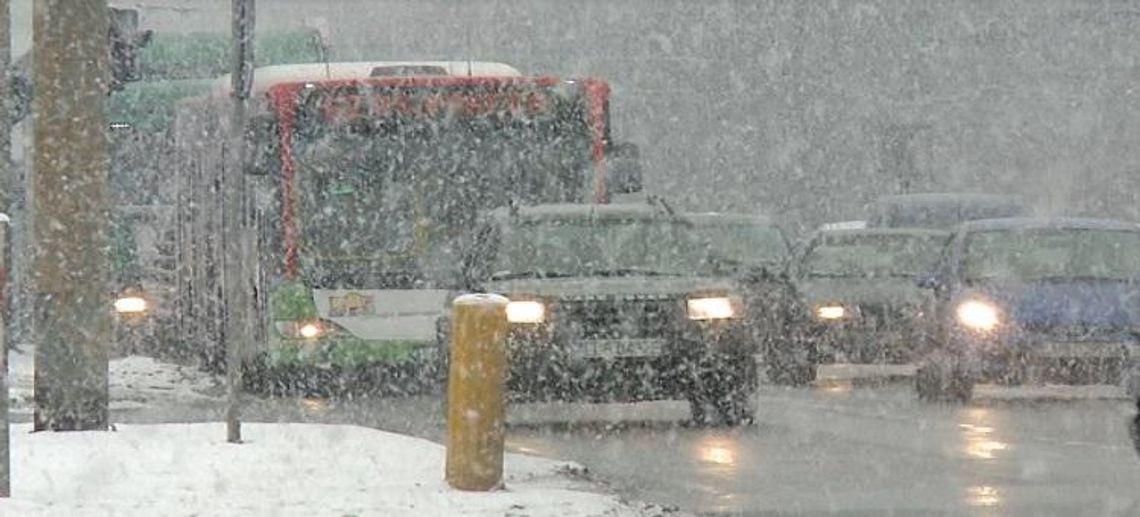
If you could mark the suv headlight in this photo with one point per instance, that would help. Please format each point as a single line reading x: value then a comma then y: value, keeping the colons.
x: 526, y: 311
x: 978, y: 315
x: 711, y: 308
x: 830, y: 312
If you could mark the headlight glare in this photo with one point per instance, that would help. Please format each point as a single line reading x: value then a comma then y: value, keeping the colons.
x: 831, y: 312
x: 302, y: 329
x: 526, y: 311
x: 978, y: 315
x: 130, y: 305
x: 711, y: 308
x: 309, y: 330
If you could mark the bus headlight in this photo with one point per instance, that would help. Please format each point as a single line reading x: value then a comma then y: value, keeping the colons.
x: 526, y: 311
x: 711, y: 308
x: 130, y: 304
x: 311, y: 329
x: 978, y: 315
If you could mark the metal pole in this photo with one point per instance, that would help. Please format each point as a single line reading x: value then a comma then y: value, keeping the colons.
x: 72, y: 306
x: 7, y: 184
x: 236, y: 271
x: 5, y: 296
x: 476, y: 391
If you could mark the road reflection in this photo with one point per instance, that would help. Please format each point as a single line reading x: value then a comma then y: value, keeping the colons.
x: 980, y: 440
x: 981, y: 443
x: 983, y: 495
x: 835, y: 387
x: 718, y: 450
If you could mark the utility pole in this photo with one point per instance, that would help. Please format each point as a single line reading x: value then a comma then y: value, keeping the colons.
x: 236, y: 221
x: 72, y: 307
x: 7, y: 182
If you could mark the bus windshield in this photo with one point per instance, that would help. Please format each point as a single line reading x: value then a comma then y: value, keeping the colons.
x: 394, y: 174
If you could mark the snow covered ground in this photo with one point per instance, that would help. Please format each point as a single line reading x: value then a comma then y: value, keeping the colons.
x: 282, y: 469
x: 135, y: 382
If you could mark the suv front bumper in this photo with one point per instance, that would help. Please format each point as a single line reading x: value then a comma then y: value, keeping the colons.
x: 1042, y: 358
x: 554, y: 367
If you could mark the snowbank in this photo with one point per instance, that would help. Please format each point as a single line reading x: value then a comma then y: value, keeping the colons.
x: 135, y: 381
x: 282, y: 469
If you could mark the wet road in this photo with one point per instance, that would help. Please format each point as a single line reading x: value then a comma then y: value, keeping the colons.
x: 820, y: 451
x: 871, y: 451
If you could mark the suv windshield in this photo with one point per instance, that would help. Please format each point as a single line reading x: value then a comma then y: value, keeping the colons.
x: 867, y: 255
x: 594, y: 246
x: 1051, y: 254
x: 746, y: 243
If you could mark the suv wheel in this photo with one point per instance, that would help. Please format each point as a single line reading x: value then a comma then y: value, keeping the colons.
x: 940, y: 380
x: 723, y: 396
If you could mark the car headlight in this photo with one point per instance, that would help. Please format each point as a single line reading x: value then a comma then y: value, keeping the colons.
x: 711, y: 308
x: 978, y: 315
x: 131, y: 305
x: 831, y: 312
x: 526, y: 311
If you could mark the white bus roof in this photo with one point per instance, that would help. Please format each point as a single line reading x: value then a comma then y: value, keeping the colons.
x: 267, y: 77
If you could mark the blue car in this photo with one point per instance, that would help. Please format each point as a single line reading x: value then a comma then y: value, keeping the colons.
x: 1024, y: 300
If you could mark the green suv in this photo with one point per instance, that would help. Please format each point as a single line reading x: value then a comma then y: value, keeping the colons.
x: 615, y: 303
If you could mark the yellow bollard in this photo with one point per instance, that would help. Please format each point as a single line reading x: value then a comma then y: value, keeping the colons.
x: 476, y: 378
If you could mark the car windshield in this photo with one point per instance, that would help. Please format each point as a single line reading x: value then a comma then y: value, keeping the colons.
x: 1029, y: 255
x: 872, y: 255
x: 745, y: 243
x: 582, y: 246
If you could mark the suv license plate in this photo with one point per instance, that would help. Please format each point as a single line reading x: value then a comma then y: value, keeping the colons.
x: 610, y: 348
x: 1078, y: 350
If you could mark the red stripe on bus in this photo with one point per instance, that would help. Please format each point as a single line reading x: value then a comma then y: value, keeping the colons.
x: 421, y: 82
x: 596, y: 93
x: 285, y: 104
x: 284, y: 98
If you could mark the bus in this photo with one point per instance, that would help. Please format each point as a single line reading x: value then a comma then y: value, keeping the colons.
x: 367, y: 174
x: 172, y: 67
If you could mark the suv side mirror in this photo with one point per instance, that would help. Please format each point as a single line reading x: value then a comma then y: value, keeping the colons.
x: 623, y: 168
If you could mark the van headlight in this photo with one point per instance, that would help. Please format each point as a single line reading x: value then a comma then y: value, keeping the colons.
x: 978, y: 315
x: 711, y: 308
x: 526, y: 311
